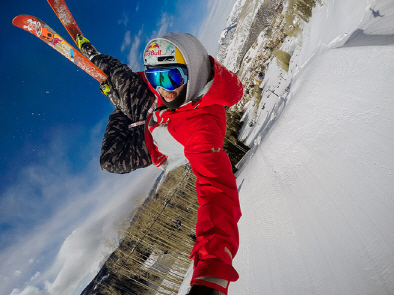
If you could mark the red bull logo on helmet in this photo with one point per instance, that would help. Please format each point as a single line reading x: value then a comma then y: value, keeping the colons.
x: 153, y: 50
x: 153, y: 46
x: 161, y: 52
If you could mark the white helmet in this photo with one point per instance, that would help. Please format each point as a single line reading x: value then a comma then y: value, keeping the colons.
x: 182, y: 50
x: 162, y: 52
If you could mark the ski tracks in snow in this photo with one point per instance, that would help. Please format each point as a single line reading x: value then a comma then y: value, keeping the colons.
x: 317, y: 192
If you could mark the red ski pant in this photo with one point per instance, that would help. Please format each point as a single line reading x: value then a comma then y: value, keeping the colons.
x: 216, y: 228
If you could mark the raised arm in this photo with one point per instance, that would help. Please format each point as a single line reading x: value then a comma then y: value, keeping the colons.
x: 123, y: 148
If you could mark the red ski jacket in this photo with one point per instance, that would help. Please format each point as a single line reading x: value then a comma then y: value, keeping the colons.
x: 195, y: 132
x: 200, y: 128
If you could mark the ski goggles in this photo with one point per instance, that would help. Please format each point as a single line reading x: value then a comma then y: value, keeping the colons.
x: 168, y: 78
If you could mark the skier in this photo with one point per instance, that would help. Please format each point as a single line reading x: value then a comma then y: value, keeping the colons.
x: 171, y: 114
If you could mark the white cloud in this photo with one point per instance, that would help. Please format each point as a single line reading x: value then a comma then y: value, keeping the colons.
x: 134, y: 58
x: 27, y: 291
x: 166, y: 22
x: 67, y: 245
x: 126, y: 41
x: 124, y: 20
x: 36, y: 275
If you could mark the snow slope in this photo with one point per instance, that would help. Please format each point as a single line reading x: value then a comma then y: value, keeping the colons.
x: 317, y: 188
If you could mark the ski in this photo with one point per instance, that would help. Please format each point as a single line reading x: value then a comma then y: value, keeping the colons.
x: 64, y: 15
x: 49, y: 36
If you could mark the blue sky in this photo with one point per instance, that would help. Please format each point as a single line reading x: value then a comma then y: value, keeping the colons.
x: 56, y: 205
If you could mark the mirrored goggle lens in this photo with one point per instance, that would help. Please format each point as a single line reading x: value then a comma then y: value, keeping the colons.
x: 167, y: 78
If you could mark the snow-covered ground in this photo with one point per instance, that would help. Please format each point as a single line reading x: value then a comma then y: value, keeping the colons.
x: 317, y: 188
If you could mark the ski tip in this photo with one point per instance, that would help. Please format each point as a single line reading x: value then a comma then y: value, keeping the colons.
x: 18, y: 20
x: 21, y: 20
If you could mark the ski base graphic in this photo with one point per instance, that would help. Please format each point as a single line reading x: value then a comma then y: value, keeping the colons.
x: 45, y: 33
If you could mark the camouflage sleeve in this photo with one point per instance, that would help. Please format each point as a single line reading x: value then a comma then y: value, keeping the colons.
x: 123, y: 149
x: 129, y: 93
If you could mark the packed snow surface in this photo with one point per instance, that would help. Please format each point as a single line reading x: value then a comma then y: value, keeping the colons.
x: 317, y: 188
